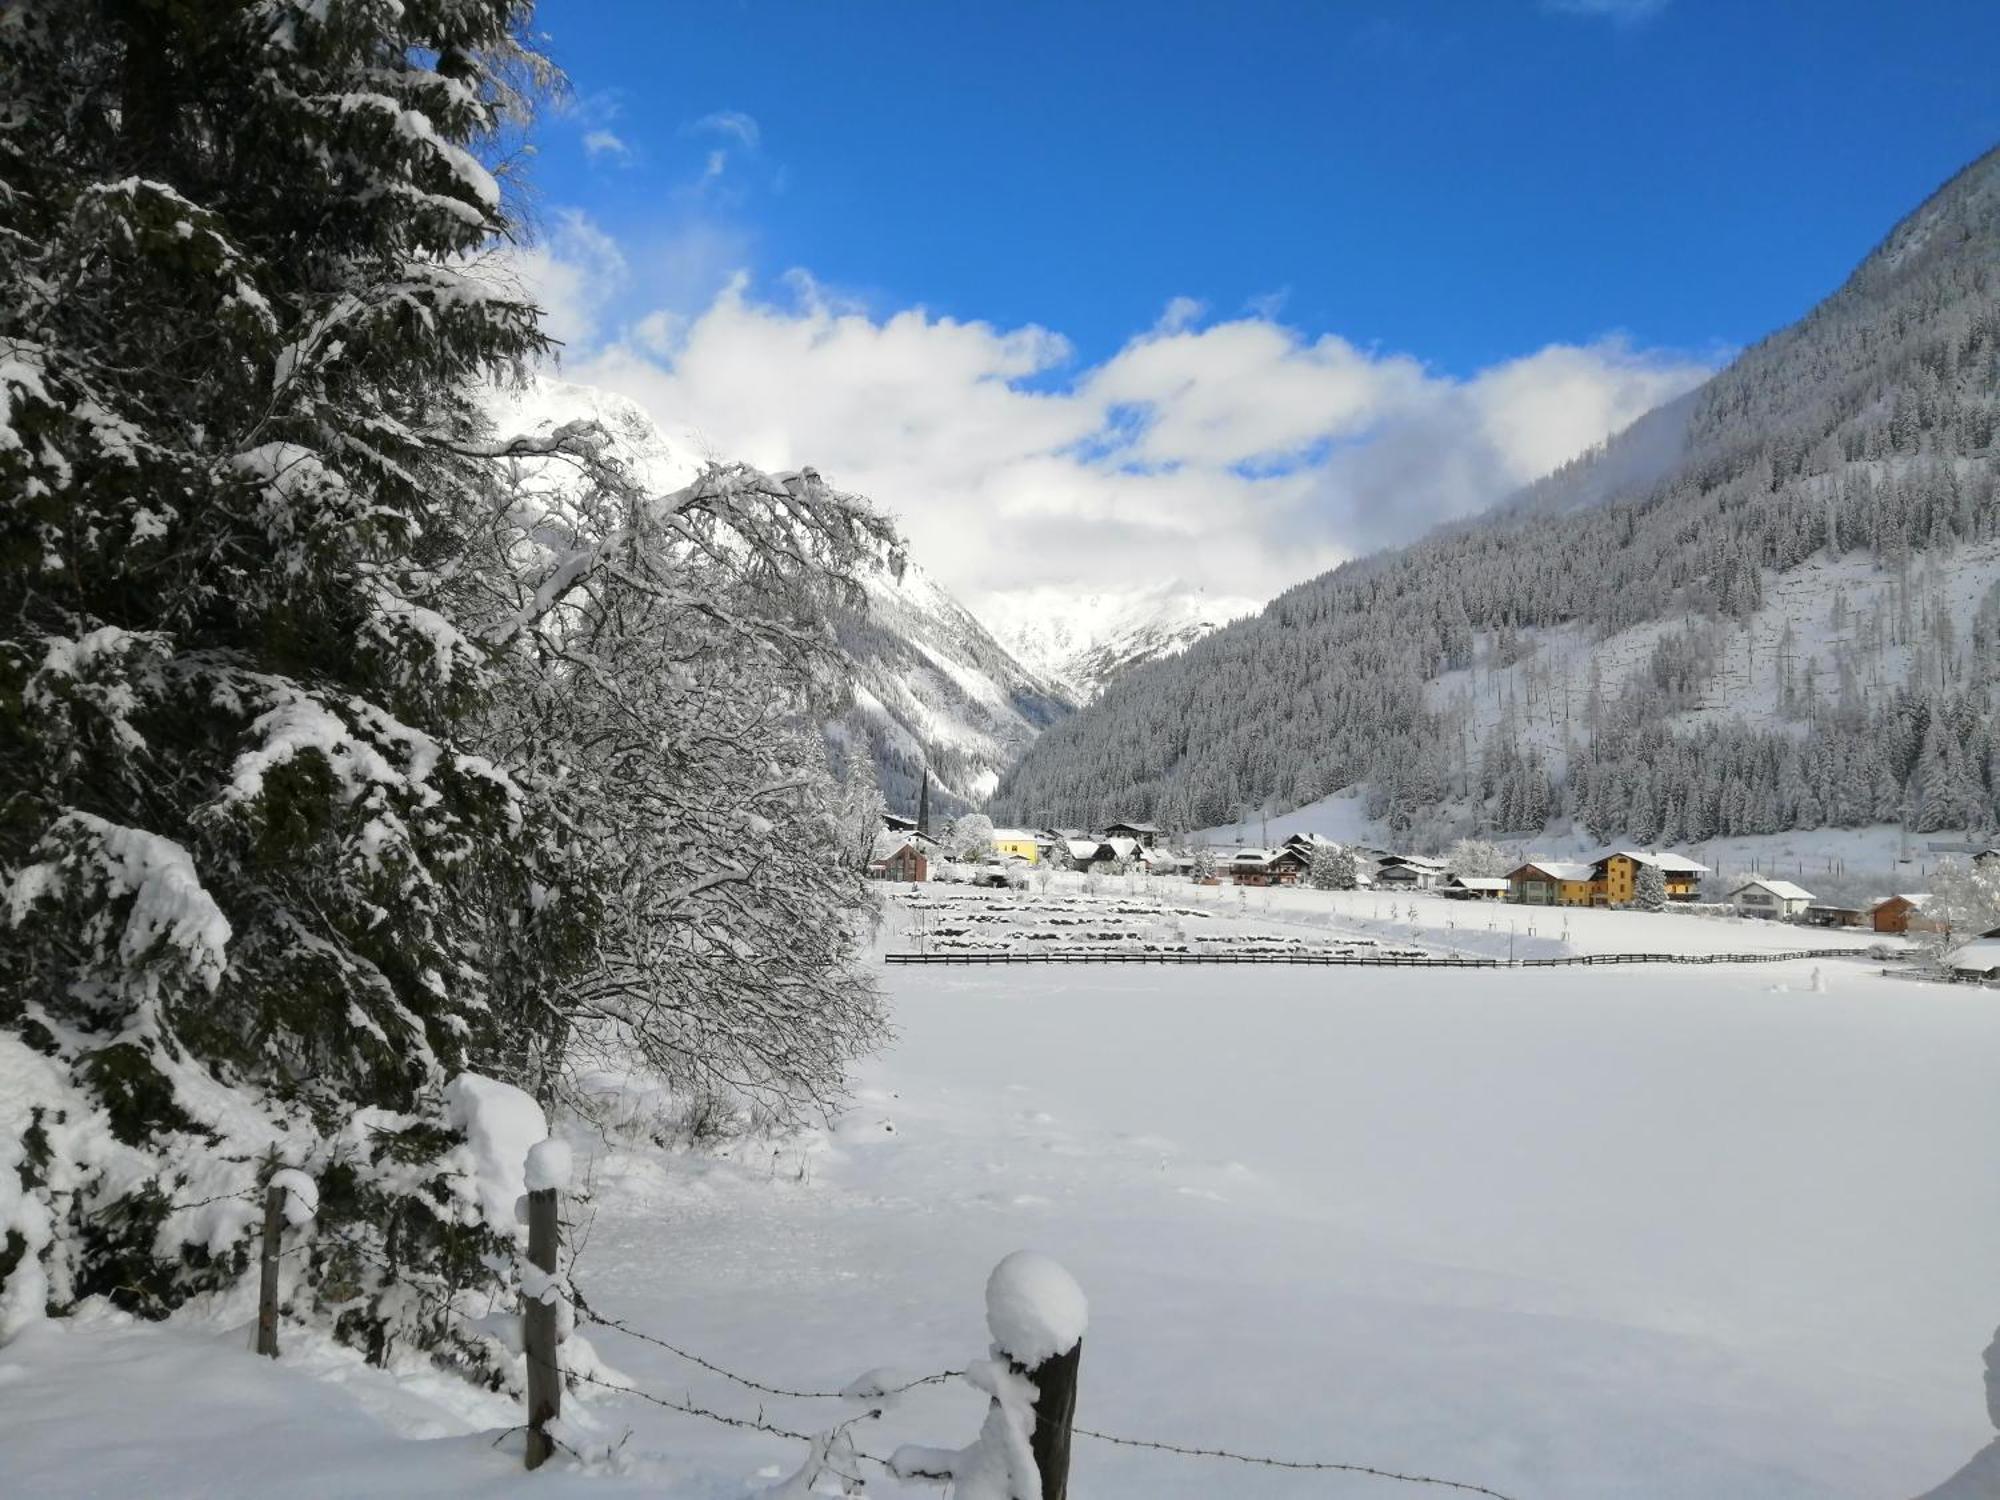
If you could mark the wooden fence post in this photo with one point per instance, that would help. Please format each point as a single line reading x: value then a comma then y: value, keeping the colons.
x: 539, y: 1330
x: 1037, y: 1315
x: 267, y: 1288
x: 1054, y: 1380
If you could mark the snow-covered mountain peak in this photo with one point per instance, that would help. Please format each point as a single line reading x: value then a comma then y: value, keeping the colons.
x: 1084, y: 639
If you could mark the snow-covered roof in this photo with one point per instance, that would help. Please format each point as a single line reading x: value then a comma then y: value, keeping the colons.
x: 1672, y: 864
x: 1482, y: 882
x: 1014, y: 836
x: 1083, y: 848
x: 1415, y: 861
x: 888, y: 844
x: 1784, y: 890
x: 1981, y: 956
x: 1124, y: 848
x: 1558, y: 869
x: 1918, y: 899
x: 1138, y: 827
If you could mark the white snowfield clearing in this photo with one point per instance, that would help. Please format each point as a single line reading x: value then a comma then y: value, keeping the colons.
x: 1575, y: 1234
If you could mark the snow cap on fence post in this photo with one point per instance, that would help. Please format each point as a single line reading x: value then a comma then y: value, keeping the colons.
x: 1034, y: 1309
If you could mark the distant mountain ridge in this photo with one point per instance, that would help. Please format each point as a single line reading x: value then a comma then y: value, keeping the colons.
x: 1083, y: 640
x: 931, y: 688
x: 1773, y: 603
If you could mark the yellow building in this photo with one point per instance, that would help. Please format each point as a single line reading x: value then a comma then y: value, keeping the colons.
x: 1616, y: 876
x: 1017, y: 843
x: 1547, y: 882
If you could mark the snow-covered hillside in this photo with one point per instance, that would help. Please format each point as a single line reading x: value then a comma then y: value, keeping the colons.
x: 932, y: 687
x: 1084, y: 640
x: 1821, y: 624
x: 1772, y: 604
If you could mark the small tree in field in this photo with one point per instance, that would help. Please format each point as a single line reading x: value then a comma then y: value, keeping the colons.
x: 1649, y: 890
x: 971, y: 838
x: 1202, y: 864
x: 1965, y: 901
x: 1477, y: 857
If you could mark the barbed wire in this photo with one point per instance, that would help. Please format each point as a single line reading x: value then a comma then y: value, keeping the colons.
x: 757, y: 1423
x: 761, y: 1424
x: 588, y: 1314
x: 1290, y: 1463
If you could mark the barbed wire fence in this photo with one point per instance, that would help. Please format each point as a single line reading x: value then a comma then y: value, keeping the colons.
x: 832, y: 1450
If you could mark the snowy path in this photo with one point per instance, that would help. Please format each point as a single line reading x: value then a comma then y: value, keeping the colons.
x: 1688, y: 1234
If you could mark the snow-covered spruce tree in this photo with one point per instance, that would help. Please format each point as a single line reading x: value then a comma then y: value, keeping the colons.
x: 1649, y: 889
x: 1323, y: 873
x: 667, y: 664
x: 255, y: 862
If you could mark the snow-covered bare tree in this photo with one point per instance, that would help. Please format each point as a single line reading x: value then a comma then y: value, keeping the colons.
x: 1965, y: 899
x: 1477, y: 857
x: 667, y: 664
x: 971, y: 838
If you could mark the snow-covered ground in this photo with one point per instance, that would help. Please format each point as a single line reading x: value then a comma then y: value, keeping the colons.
x: 1572, y: 1234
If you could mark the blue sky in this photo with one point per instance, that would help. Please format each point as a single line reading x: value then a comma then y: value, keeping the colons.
x: 1442, y: 189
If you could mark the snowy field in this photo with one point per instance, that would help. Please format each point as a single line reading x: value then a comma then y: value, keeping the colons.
x: 1575, y: 1236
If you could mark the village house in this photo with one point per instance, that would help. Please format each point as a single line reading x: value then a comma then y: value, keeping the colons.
x: 1409, y: 872
x: 1820, y: 914
x: 1615, y: 876
x: 1146, y: 834
x: 1086, y: 854
x: 1903, y: 913
x: 1550, y: 882
x: 1018, y: 843
x: 1282, y: 866
x: 1776, y: 899
x: 1978, y: 959
x: 1474, y: 888
x: 899, y: 859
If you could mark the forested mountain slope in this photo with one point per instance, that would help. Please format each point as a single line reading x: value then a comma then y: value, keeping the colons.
x: 930, y: 686
x: 1844, y: 466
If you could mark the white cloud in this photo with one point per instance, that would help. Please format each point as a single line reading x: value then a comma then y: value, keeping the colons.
x: 1611, y: 10
x: 729, y: 122
x: 1240, y: 456
x: 573, y: 271
x: 605, y: 143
